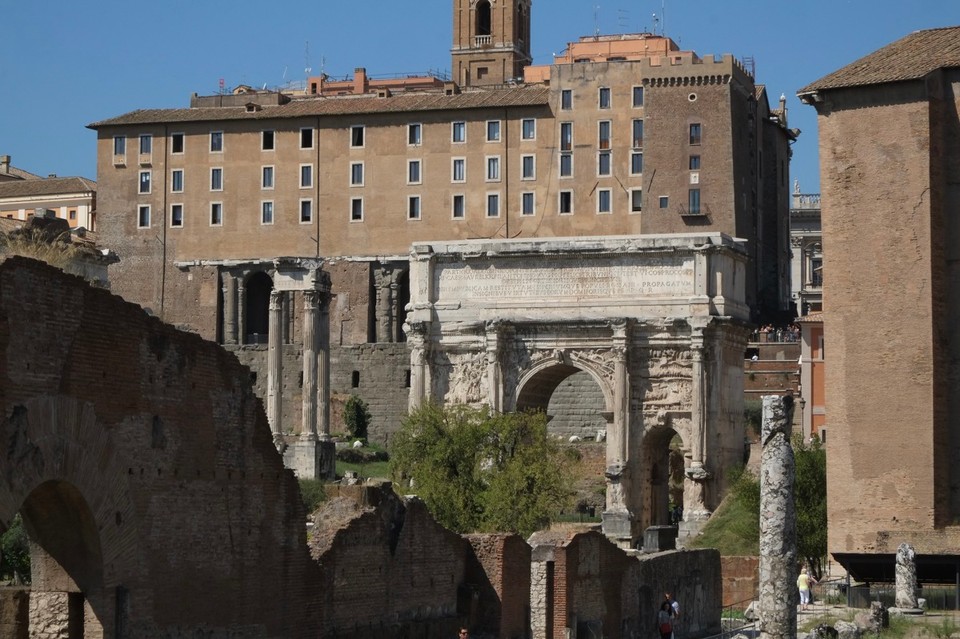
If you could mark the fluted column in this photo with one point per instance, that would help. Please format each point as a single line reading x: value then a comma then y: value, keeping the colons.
x: 229, y: 308
x: 697, y: 474
x: 275, y: 367
x: 310, y: 393
x: 417, y: 336
x: 494, y: 386
x: 323, y: 362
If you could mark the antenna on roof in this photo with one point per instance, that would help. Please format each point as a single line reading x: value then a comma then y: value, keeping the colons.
x: 663, y: 17
x: 596, y: 19
x: 307, y: 69
x: 623, y: 20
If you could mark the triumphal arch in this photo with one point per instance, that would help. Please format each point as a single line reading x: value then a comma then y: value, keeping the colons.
x: 659, y: 322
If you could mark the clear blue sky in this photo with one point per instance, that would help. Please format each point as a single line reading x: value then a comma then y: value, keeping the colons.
x: 66, y: 63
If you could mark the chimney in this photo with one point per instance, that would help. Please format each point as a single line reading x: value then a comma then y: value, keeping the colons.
x: 360, y: 80
x: 4, y: 163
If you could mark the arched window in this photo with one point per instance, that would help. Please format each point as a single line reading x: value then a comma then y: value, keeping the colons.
x: 484, y: 18
x: 257, y: 311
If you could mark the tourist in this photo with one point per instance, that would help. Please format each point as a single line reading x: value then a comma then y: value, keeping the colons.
x: 665, y: 620
x: 804, y: 582
x: 674, y: 605
x: 464, y: 634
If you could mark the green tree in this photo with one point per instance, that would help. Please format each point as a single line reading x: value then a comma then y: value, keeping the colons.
x: 477, y: 470
x: 810, y: 498
x: 15, y: 553
x: 356, y: 416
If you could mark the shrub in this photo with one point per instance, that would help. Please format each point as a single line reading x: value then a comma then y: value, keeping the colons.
x: 356, y: 416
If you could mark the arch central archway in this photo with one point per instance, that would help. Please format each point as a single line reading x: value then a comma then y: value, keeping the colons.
x: 573, y: 400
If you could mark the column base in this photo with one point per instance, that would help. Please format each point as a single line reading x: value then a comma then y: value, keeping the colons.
x: 621, y: 529
x: 312, y: 459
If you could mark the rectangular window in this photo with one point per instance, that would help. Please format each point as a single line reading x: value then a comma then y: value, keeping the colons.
x: 413, y: 172
x: 146, y: 144
x: 527, y: 203
x: 306, y: 176
x: 266, y: 212
x: 566, y: 99
x: 604, y: 101
x: 356, y: 209
x: 120, y: 145
x: 143, y: 217
x: 459, y: 207
x: 565, y: 205
x: 493, y: 168
x: 267, y: 140
x: 176, y: 143
x: 493, y: 130
x: 357, y: 136
x: 637, y: 96
x: 695, y: 133
x: 414, y: 133
x: 216, y: 179
x: 694, y: 162
x: 637, y: 134
x: 413, y: 207
x: 266, y: 181
x: 144, y: 182
x: 306, y: 138
x: 566, y: 136
x: 603, y: 134
x: 636, y: 200
x: 693, y: 201
x: 603, y: 163
x: 176, y: 215
x: 528, y: 129
x: 306, y: 211
x: 636, y: 163
x: 493, y: 205
x: 216, y: 213
x: 664, y: 201
x: 216, y: 141
x: 566, y: 165
x: 459, y: 132
x: 528, y: 167
x: 459, y: 170
x: 176, y: 181
x: 356, y: 174
x: 603, y: 200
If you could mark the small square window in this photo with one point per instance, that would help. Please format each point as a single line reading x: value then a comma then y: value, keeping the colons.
x: 493, y: 169
x: 414, y: 134
x: 143, y: 217
x: 306, y: 211
x: 493, y: 205
x: 566, y: 165
x: 267, y: 141
x: 146, y: 144
x: 604, y: 99
x: 266, y: 212
x: 144, y: 187
x: 306, y: 138
x: 603, y: 201
x: 266, y: 181
x: 176, y: 215
x: 357, y: 136
x: 636, y: 200
x: 565, y: 205
x: 636, y: 163
x: 566, y: 99
x: 493, y: 131
x: 176, y: 181
x: 637, y: 96
x: 216, y: 213
x: 696, y: 133
x: 459, y: 132
x: 413, y: 172
x: 216, y: 179
x: 216, y: 141
x: 664, y: 201
x: 413, y: 207
x: 73, y: 214
x: 694, y: 162
x: 528, y: 129
x: 459, y: 170
x: 306, y: 176
x: 528, y: 167
x: 527, y: 203
x: 356, y: 174
x: 176, y: 143
x: 459, y: 207
x: 603, y: 163
x: 356, y: 209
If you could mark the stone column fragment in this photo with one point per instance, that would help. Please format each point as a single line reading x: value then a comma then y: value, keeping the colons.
x: 274, y: 367
x: 309, y: 427
x: 229, y: 308
x: 778, y: 522
x: 906, y: 579
x: 323, y: 362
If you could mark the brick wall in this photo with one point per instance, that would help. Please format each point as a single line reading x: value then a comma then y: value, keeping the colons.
x: 741, y: 580
x: 498, y: 571
x: 381, y: 371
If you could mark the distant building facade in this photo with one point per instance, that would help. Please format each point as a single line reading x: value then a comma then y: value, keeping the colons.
x: 22, y: 194
x: 806, y: 252
x: 218, y: 210
x: 890, y: 170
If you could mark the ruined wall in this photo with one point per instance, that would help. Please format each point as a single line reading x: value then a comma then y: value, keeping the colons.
x: 14, y: 607
x: 383, y: 383
x: 741, y: 580
x: 498, y: 572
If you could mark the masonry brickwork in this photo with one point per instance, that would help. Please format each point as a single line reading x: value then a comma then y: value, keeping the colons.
x: 741, y: 581
x: 498, y: 571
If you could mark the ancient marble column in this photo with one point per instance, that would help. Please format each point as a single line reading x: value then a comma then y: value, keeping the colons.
x: 229, y: 308
x: 308, y: 429
x: 494, y: 387
x: 241, y: 313
x: 696, y: 475
x: 417, y: 336
x: 618, y: 521
x: 382, y: 280
x: 323, y: 362
x: 778, y: 522
x: 275, y: 367
x: 906, y: 578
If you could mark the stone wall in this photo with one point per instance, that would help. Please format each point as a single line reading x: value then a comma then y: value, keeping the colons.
x: 14, y: 611
x: 383, y: 383
x: 576, y: 406
x: 741, y: 580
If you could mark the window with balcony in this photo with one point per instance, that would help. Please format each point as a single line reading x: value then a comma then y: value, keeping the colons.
x: 693, y: 202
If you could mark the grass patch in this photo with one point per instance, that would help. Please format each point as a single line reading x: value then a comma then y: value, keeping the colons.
x: 373, y: 469
x: 313, y: 493
x: 734, y: 529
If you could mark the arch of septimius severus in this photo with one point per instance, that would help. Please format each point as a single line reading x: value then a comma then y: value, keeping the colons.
x: 659, y: 323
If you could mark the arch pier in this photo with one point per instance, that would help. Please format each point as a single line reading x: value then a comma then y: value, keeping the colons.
x: 659, y: 323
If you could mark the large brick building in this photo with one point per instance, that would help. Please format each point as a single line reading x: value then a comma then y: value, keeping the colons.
x: 209, y: 205
x: 890, y: 180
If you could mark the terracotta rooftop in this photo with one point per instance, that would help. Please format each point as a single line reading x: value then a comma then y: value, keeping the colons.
x: 46, y: 186
x: 811, y: 317
x: 20, y: 174
x: 342, y: 105
x: 909, y: 58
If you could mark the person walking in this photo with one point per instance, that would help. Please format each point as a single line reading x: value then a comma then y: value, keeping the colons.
x: 665, y: 620
x: 804, y: 582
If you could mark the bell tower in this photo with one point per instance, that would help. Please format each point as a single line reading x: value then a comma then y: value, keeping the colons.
x: 491, y: 41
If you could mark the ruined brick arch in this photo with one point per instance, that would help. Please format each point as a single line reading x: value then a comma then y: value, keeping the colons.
x: 537, y: 384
